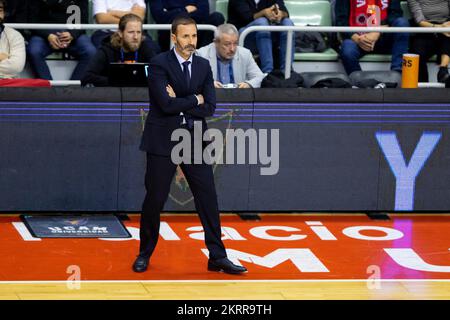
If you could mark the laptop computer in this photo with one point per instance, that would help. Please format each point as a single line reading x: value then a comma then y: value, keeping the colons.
x: 128, y: 74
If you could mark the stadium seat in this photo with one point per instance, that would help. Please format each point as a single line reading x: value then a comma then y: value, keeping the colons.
x: 312, y: 12
x: 376, y: 57
x: 405, y: 9
x: 150, y: 20
x: 91, y: 19
x: 222, y: 7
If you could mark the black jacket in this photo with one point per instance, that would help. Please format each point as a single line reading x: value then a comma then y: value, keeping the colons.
x: 55, y: 11
x: 240, y: 12
x: 98, y: 68
x: 164, y: 116
x: 165, y: 11
x: 18, y: 11
x: 342, y: 10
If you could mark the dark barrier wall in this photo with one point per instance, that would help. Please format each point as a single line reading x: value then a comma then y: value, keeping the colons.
x: 76, y: 149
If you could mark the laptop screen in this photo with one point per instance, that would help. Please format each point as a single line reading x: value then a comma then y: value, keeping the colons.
x: 128, y: 74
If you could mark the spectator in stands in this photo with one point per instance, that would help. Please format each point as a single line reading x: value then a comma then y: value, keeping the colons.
x: 361, y: 14
x: 230, y: 63
x: 247, y: 13
x: 431, y: 13
x: 125, y: 45
x: 44, y: 42
x: 110, y: 12
x: 12, y: 48
x: 18, y: 12
x: 165, y: 11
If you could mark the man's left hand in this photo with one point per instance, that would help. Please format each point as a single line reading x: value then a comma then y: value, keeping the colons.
x: 170, y: 91
x: 280, y: 15
x: 244, y: 85
x: 373, y: 36
x: 3, y: 56
x: 191, y: 8
x: 65, y: 38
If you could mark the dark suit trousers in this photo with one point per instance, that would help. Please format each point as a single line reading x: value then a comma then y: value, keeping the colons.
x: 158, y: 178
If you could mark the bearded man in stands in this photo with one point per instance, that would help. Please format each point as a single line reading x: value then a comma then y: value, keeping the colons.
x: 127, y: 45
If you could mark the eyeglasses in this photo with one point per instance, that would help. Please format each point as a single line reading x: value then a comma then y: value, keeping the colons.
x: 230, y: 44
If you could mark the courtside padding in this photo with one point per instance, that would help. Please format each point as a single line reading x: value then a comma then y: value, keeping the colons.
x: 76, y: 149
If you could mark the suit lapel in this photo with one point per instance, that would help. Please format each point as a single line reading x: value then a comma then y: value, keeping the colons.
x: 176, y: 69
x: 213, y: 61
x: 235, y: 66
x: 195, y: 71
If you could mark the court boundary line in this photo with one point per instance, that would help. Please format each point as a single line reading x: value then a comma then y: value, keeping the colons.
x: 221, y: 280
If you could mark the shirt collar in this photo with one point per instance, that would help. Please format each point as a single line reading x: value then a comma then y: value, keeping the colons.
x: 180, y: 58
x: 224, y: 61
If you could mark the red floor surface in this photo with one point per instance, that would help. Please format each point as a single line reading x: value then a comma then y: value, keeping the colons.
x: 344, y: 247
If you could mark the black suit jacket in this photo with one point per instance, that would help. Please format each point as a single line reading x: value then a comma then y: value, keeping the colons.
x: 164, y: 116
x: 240, y: 12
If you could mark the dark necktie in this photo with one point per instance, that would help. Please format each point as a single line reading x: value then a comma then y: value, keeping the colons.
x: 186, y: 72
x: 188, y: 119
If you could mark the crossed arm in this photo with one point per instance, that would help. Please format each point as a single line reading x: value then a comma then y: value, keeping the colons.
x: 113, y: 16
x: 202, y: 104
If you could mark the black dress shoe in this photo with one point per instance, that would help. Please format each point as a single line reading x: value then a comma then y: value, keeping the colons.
x: 225, y: 265
x: 140, y: 265
x: 443, y: 75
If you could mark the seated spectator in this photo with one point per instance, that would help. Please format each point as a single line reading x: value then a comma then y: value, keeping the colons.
x: 12, y: 48
x: 165, y: 11
x: 359, y: 14
x: 110, y: 12
x: 245, y: 13
x: 230, y: 63
x: 126, y: 45
x: 44, y: 42
x: 18, y: 12
x: 431, y: 13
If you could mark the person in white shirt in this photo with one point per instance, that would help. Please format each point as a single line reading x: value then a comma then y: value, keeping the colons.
x: 110, y: 12
x: 12, y: 49
x: 231, y: 65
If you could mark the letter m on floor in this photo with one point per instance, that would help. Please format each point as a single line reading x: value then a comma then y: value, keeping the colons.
x: 303, y: 259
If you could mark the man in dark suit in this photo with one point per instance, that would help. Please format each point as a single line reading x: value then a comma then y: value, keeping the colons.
x: 181, y: 91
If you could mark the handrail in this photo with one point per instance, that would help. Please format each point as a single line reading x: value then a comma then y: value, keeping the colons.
x: 291, y: 29
x: 46, y: 26
x: 64, y: 83
x: 244, y: 34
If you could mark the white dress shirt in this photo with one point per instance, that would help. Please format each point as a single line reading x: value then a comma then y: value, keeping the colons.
x: 180, y: 61
x: 103, y: 6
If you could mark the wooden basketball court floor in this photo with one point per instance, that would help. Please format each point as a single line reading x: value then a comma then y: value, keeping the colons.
x: 304, y: 256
